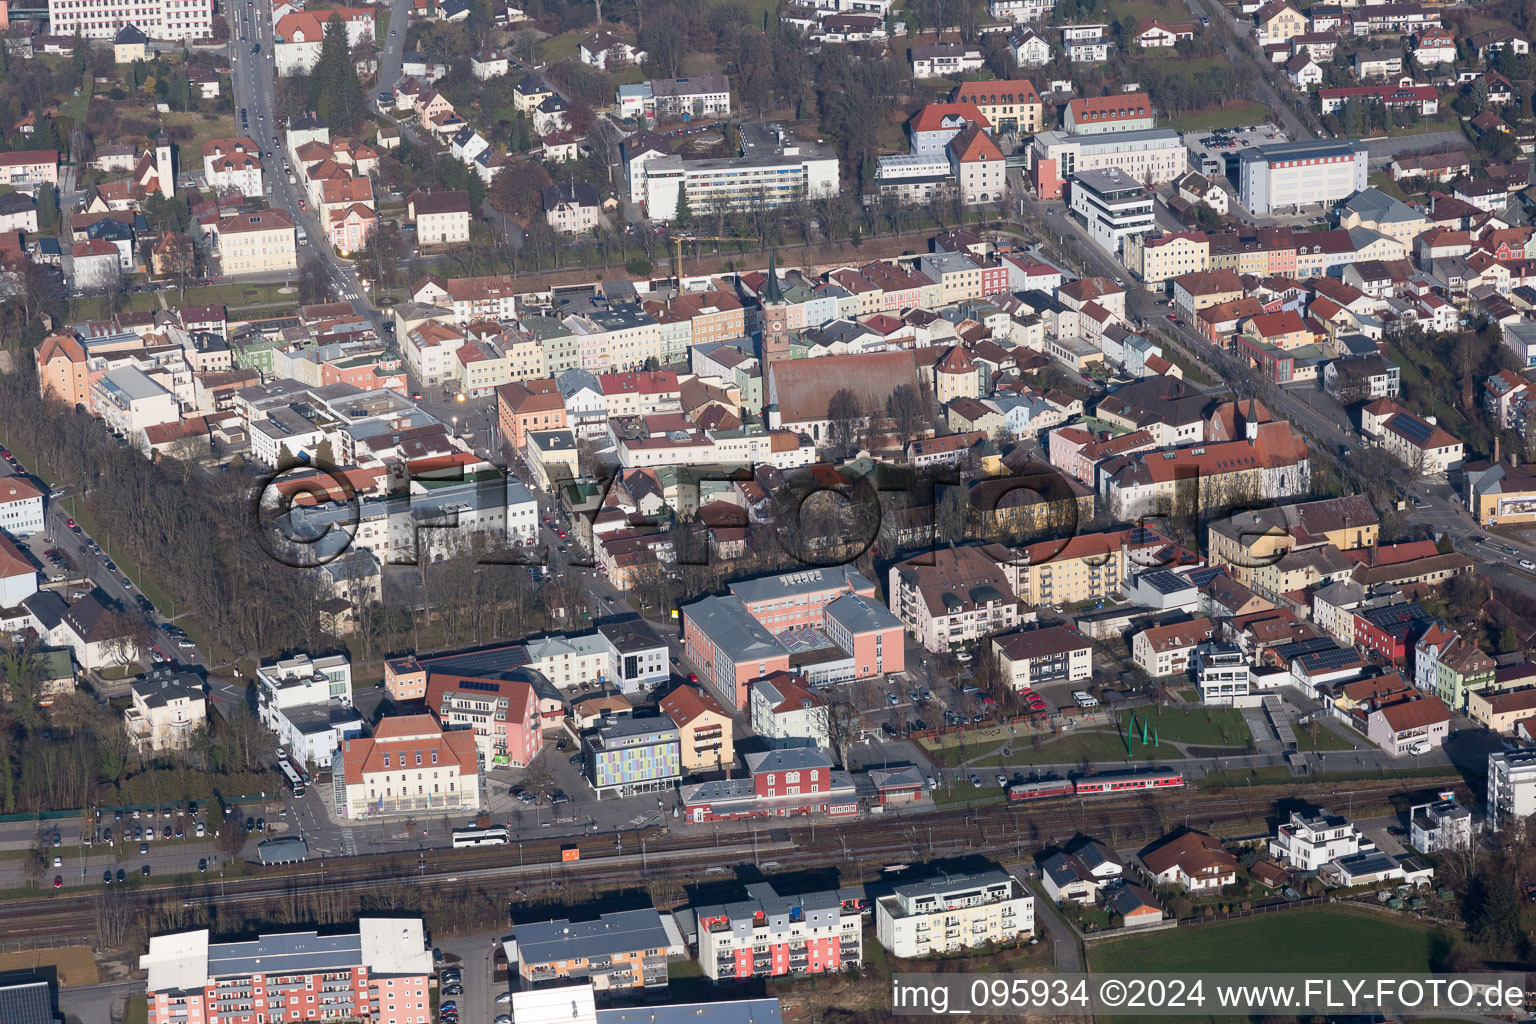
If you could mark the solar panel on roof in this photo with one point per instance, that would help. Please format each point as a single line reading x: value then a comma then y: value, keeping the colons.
x: 478, y: 684
x: 1339, y: 657
x: 1413, y: 428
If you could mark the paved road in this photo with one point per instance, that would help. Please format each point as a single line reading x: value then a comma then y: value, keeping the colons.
x: 1234, y: 43
x: 253, y: 76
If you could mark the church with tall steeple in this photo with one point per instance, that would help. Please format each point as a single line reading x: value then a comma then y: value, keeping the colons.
x: 774, y: 344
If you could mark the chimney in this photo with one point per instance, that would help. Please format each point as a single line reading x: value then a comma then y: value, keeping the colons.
x: 1496, y: 451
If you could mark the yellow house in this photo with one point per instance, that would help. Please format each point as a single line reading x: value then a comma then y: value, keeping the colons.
x: 1156, y: 259
x: 258, y: 243
x: 703, y: 726
x: 1012, y: 105
x: 129, y: 45
x: 1502, y: 494
x: 1279, y: 22
x: 1501, y: 711
x: 1284, y: 330
x: 1249, y: 542
x: 955, y: 376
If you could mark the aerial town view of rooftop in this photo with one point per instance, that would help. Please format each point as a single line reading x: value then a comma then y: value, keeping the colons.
x: 721, y: 510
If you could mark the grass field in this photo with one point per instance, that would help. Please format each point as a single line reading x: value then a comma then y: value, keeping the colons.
x: 1212, y: 727
x: 1321, y: 739
x: 1312, y: 938
x: 231, y: 295
x: 1246, y: 112
x: 563, y: 46
x: 76, y: 965
x: 204, y: 127
x: 1069, y: 749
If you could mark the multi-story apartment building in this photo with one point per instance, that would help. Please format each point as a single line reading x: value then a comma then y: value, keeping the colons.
x: 128, y: 400
x: 174, y: 20
x: 950, y: 597
x: 1087, y: 567
x: 628, y: 949
x: 233, y: 165
x: 768, y: 935
x: 529, y: 405
x: 29, y: 167
x: 574, y: 664
x: 1158, y: 259
x: 21, y: 508
x: 1050, y: 654
x: 410, y: 765
x: 1250, y: 544
x: 471, y: 298
x: 773, y: 168
x: 1221, y: 673
x: 502, y: 713
x: 378, y: 973
x: 1308, y: 841
x: 167, y: 708
x: 1166, y: 650
x: 954, y: 912
x: 704, y: 730
x: 632, y: 755
x: 257, y: 243
x: 787, y: 713
x: 1511, y: 786
x: 308, y: 703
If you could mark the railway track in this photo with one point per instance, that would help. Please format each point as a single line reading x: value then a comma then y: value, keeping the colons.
x: 1001, y: 831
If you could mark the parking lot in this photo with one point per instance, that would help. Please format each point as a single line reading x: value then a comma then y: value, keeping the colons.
x: 1210, y: 149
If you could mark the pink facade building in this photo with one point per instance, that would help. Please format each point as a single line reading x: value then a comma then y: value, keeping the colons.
x: 504, y: 714
x: 378, y: 973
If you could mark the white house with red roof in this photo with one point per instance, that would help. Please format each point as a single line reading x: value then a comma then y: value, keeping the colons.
x: 978, y: 166
x: 21, y: 506
x: 18, y: 576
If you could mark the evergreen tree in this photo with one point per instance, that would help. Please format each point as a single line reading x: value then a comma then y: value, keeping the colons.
x: 47, y: 210
x: 180, y: 94
x: 684, y: 214
x: 79, y: 52
x: 46, y: 134
x: 335, y: 92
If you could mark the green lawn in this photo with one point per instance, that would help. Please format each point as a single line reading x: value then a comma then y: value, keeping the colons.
x: 563, y: 46
x: 1073, y: 747
x: 235, y: 295
x: 1247, y: 112
x: 1141, y: 10
x: 74, y: 106
x: 963, y: 794
x: 1311, y: 938
x: 204, y: 127
x: 137, y: 1010
x: 1211, y: 727
x: 1321, y: 739
x: 1384, y: 183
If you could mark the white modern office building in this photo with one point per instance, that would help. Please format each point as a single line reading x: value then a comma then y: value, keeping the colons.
x: 1112, y: 205
x: 773, y: 169
x: 178, y: 20
x: 1288, y: 175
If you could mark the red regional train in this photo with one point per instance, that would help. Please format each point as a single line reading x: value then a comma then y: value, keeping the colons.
x: 1107, y: 783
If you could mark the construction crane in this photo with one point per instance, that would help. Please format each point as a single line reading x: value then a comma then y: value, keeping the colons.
x: 677, y: 252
